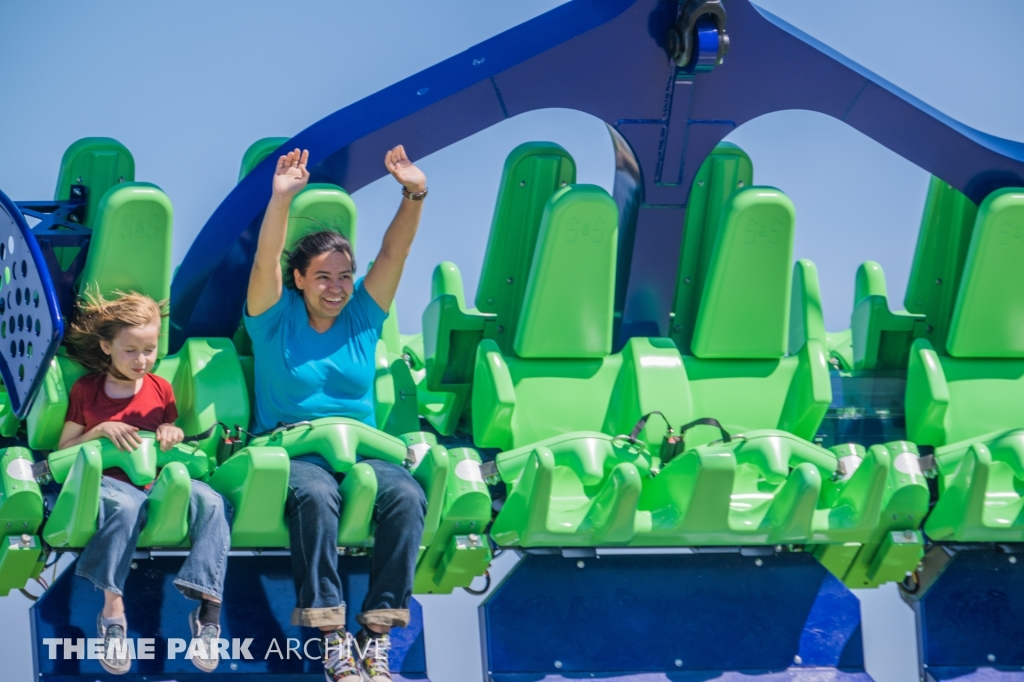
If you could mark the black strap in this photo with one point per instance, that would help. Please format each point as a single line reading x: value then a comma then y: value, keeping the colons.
x: 207, y: 433
x: 635, y: 433
x: 705, y: 421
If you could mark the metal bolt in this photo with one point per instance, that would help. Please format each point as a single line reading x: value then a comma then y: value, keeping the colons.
x: 758, y: 562
x: 478, y: 61
x: 234, y: 666
x: 686, y: 280
x: 26, y: 539
x: 501, y: 329
x: 580, y: 564
x: 1013, y: 559
x: 564, y: 183
x: 134, y: 565
x: 510, y: 280
x: 558, y: 664
x: 79, y: 181
x: 930, y: 329
x: 700, y: 183
x: 679, y: 663
x: 938, y: 281
x: 739, y: 184
x: 797, y: 660
x: 121, y: 179
x: 522, y: 183
x: 473, y: 537
x: 677, y: 328
x: 991, y: 658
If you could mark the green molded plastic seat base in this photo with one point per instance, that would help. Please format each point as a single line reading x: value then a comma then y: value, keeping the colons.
x: 339, y: 440
x: 980, y: 490
x: 767, y: 487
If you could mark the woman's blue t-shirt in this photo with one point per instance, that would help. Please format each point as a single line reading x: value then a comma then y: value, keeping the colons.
x: 302, y: 374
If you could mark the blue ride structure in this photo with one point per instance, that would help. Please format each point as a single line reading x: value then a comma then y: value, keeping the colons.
x: 543, y: 420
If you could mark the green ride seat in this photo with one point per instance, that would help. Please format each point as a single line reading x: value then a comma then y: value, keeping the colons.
x: 881, y: 337
x: 130, y: 251
x: 255, y: 482
x: 559, y: 396
x: 964, y: 394
x: 533, y: 172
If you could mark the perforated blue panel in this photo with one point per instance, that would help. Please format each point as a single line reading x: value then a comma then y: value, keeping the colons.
x: 31, y: 326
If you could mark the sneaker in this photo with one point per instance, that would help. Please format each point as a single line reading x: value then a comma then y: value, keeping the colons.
x: 115, y: 646
x: 208, y: 634
x: 339, y: 663
x: 373, y: 650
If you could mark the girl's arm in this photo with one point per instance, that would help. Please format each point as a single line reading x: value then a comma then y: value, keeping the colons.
x: 122, y: 435
x: 265, y: 282
x: 382, y: 280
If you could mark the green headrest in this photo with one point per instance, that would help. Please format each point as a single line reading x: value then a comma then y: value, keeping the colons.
x: 988, y: 320
x: 533, y: 172
x: 319, y: 207
x: 99, y: 163
x: 744, y: 308
x: 570, y: 295
x: 130, y: 249
x: 935, y: 273
x: 257, y: 151
x: 726, y: 169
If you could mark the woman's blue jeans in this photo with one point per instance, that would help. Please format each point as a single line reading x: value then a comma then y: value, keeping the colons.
x: 313, y: 508
x: 107, y: 556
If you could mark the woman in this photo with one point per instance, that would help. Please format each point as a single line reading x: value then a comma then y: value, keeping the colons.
x: 314, y: 342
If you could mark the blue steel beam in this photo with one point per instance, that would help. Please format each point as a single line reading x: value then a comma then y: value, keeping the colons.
x: 605, y: 58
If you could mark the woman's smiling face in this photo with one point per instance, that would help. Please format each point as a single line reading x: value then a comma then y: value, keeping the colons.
x: 326, y: 285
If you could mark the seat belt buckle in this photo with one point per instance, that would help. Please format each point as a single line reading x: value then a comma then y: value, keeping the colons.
x: 671, y: 446
x: 227, y: 447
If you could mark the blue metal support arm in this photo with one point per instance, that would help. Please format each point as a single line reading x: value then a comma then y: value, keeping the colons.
x: 606, y: 58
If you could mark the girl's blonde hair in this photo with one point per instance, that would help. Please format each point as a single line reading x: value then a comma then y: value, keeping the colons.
x: 100, y: 319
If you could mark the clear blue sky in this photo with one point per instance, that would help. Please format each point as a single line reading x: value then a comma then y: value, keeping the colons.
x: 187, y: 86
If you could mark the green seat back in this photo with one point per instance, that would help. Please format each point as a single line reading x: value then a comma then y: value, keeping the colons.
x: 745, y: 304
x: 569, y: 300
x: 935, y: 273
x: 130, y: 248
x: 319, y: 207
x: 988, y: 318
x: 257, y: 151
x: 533, y: 172
x: 756, y: 356
x: 99, y: 163
x: 727, y: 169
x: 977, y: 386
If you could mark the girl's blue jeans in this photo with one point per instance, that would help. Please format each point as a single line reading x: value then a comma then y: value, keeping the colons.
x: 107, y: 556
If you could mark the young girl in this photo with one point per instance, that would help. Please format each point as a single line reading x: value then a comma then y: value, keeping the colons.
x: 118, y: 341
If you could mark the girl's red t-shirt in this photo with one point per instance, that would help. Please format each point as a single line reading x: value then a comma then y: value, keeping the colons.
x: 153, y: 405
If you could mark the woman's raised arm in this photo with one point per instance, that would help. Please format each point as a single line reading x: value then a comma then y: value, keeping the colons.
x: 265, y: 281
x: 382, y: 280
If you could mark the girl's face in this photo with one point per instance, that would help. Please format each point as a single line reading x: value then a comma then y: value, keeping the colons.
x: 133, y: 350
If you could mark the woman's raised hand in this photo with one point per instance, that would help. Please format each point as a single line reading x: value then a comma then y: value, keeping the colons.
x: 399, y: 165
x: 291, y: 174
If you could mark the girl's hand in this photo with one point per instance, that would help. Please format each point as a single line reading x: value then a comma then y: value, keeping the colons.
x: 125, y: 437
x: 169, y: 435
x: 291, y: 175
x: 399, y: 165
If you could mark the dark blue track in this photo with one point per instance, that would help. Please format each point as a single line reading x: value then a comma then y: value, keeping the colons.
x: 606, y: 58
